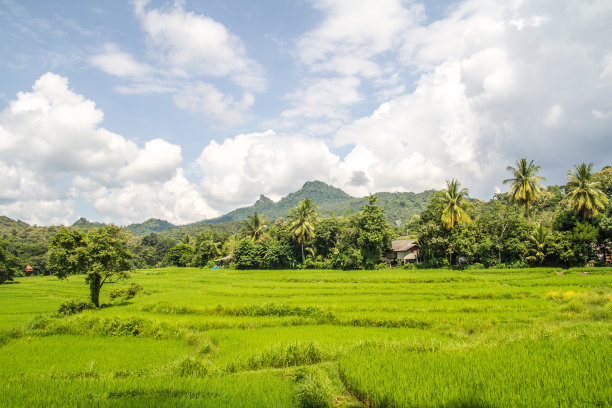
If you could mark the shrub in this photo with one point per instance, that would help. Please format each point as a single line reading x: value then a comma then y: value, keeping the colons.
x: 246, y: 255
x: 127, y: 293
x: 475, y: 265
x: 71, y: 307
x: 381, y: 265
x: 409, y: 265
x: 313, y: 389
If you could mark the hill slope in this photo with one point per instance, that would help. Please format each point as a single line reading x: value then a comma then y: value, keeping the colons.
x: 398, y: 206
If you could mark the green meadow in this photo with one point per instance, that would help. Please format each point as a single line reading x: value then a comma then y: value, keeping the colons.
x: 310, y: 338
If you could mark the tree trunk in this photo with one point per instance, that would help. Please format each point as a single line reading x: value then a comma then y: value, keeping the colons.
x: 95, y: 284
x: 302, y: 252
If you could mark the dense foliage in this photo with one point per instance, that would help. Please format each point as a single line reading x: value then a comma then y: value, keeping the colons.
x: 530, y: 225
x: 101, y: 254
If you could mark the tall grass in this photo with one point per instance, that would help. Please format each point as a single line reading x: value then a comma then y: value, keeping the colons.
x: 197, y: 337
x: 560, y: 372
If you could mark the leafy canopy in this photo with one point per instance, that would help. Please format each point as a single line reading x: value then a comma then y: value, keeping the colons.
x: 525, y: 185
x: 454, y: 205
x: 583, y: 191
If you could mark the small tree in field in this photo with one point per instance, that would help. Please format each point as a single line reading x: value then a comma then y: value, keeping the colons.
x: 108, y: 259
x: 67, y: 253
x: 101, y: 254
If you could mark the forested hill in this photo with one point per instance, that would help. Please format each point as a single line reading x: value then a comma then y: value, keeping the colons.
x: 397, y: 206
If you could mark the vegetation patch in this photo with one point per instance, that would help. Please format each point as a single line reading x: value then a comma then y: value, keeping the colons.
x: 280, y: 356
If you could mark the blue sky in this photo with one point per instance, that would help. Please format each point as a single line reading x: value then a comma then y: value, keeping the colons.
x: 184, y: 110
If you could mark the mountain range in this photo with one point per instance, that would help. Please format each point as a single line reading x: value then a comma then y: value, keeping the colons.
x: 398, y: 207
x: 331, y: 200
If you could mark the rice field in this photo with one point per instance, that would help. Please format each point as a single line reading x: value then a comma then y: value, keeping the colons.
x: 387, y: 338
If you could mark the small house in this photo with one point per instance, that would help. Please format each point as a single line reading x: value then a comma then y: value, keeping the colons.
x: 404, y: 250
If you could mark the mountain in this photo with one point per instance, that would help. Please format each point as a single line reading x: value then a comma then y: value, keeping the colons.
x: 398, y: 206
x: 149, y: 226
x: 84, y: 224
x: 331, y: 200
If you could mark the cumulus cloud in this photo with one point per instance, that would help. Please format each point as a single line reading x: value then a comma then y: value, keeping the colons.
x: 325, y: 98
x: 176, y: 200
x: 207, y: 99
x: 54, y: 150
x: 158, y: 161
x: 238, y: 170
x: 497, y: 82
x: 194, y: 44
x: 116, y: 62
x: 354, y: 32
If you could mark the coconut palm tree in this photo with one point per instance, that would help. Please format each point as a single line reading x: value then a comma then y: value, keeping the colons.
x: 583, y: 191
x: 525, y: 185
x: 539, y: 240
x: 254, y: 227
x: 302, y: 221
x: 454, y: 205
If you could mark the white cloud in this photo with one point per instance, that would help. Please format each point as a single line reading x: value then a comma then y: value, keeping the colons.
x: 239, y: 169
x: 192, y: 44
x: 175, y: 200
x: 54, y: 149
x: 157, y: 161
x: 57, y: 131
x: 118, y: 63
x: 327, y: 97
x: 488, y: 94
x: 354, y: 32
x: 207, y: 99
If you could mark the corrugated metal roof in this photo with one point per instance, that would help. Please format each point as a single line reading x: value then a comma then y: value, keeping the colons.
x: 402, y: 245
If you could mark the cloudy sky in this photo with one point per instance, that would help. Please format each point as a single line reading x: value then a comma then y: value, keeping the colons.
x: 183, y: 110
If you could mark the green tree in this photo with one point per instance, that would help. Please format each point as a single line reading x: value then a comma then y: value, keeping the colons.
x: 254, y: 227
x: 278, y: 255
x: 205, y: 251
x: 525, y: 184
x: 67, y: 253
x: 454, y: 205
x: 108, y: 259
x: 583, y: 191
x: 374, y: 233
x: 538, y: 241
x: 7, y: 263
x: 247, y: 255
x: 302, y: 221
x: 180, y: 255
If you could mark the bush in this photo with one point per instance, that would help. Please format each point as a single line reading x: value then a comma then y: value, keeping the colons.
x: 409, y: 265
x: 127, y: 293
x: 312, y: 390
x: 72, y: 307
x: 278, y: 256
x: 382, y: 265
x: 475, y: 265
x: 246, y: 255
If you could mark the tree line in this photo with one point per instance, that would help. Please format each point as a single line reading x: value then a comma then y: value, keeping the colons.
x: 530, y: 225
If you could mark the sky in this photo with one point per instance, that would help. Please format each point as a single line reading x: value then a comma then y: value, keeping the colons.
x: 120, y: 111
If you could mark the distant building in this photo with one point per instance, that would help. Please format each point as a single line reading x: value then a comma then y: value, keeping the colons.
x: 29, y: 270
x: 404, y: 250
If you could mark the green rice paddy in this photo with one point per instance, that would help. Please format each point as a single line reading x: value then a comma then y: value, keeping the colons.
x: 390, y: 338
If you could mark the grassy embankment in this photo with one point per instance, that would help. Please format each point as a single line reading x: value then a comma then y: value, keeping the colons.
x: 487, y: 338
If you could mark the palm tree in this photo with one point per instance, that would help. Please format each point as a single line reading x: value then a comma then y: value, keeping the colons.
x: 583, y: 191
x: 254, y: 227
x: 454, y: 205
x: 525, y: 185
x: 302, y: 221
x: 538, y: 240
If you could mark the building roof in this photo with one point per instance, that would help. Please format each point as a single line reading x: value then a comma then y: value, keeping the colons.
x: 403, y: 245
